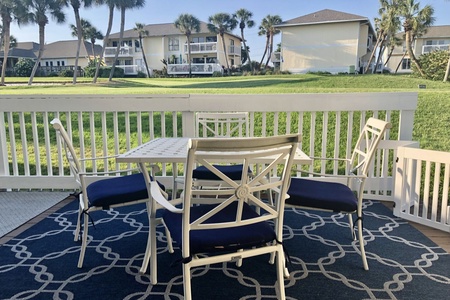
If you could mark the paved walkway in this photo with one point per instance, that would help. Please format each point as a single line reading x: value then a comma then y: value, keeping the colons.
x: 17, y: 208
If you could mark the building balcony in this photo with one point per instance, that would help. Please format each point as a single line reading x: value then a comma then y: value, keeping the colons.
x: 431, y: 48
x: 200, y: 69
x: 209, y: 47
x: 123, y: 51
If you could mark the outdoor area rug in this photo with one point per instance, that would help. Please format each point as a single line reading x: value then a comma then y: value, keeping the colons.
x: 41, y: 263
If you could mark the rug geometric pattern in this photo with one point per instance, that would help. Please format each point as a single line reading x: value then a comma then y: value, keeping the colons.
x: 325, y: 262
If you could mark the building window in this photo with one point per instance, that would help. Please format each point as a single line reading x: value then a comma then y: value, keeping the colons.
x: 406, y: 64
x: 63, y: 63
x: 174, y: 44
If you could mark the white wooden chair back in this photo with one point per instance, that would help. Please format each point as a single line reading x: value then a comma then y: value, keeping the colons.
x: 232, y: 124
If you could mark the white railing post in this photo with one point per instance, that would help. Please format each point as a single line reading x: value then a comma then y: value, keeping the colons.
x: 4, y: 165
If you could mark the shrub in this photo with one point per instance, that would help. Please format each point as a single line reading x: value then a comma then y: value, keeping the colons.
x: 66, y: 73
x: 141, y: 75
x: 23, y: 67
x: 433, y: 64
x: 217, y: 74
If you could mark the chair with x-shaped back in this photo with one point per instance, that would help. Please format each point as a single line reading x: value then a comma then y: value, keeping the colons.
x: 242, y: 224
x: 114, y: 191
x: 305, y: 192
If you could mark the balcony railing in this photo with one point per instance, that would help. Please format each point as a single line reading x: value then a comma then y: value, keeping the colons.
x: 201, y: 47
x: 234, y: 50
x: 123, y: 51
x: 195, y: 68
x: 431, y: 48
x: 131, y: 69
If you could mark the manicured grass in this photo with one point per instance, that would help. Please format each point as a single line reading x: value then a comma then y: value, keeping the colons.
x: 432, y: 118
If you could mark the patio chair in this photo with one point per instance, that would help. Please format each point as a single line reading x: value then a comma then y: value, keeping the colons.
x: 308, y: 193
x: 219, y: 125
x: 242, y: 225
x: 100, y: 194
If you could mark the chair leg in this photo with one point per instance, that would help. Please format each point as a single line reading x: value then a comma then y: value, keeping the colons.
x: 78, y: 228
x: 83, y: 241
x: 361, y: 244
x: 350, y: 223
x: 187, y: 281
x: 280, y: 272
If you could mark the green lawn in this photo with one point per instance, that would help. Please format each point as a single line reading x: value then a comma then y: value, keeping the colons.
x: 432, y: 123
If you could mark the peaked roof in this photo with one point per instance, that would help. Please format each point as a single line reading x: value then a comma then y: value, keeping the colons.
x: 323, y: 16
x: 67, y: 49
x: 437, y: 32
x: 164, y: 29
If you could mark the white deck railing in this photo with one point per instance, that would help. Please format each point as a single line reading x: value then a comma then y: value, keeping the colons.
x: 112, y: 124
x: 422, y: 187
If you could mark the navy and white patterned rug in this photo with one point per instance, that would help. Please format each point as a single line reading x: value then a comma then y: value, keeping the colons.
x: 41, y: 262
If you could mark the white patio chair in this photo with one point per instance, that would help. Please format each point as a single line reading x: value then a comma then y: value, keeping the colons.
x: 100, y: 194
x: 232, y: 229
x: 305, y: 192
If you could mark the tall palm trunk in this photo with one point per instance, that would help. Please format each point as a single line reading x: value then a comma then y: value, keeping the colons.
x: 225, y: 50
x: 401, y: 60
x: 265, y: 50
x: 246, y: 50
x: 447, y: 71
x: 411, y: 52
x: 143, y: 55
x: 6, y: 36
x: 105, y: 42
x: 372, y: 55
x: 80, y: 37
x: 122, y: 27
x: 188, y: 37
x: 41, y: 51
x: 270, y: 50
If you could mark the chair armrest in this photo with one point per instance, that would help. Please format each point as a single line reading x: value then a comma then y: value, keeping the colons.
x: 97, y: 158
x: 329, y: 158
x: 156, y: 194
x: 107, y: 172
x: 332, y: 175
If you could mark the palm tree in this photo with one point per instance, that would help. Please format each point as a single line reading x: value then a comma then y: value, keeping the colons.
x: 263, y: 31
x: 387, y: 26
x: 39, y: 12
x: 85, y: 24
x: 140, y: 28
x: 8, y: 10
x: 219, y: 24
x: 269, y: 23
x: 111, y: 5
x: 415, y: 23
x: 123, y: 5
x: 244, y: 18
x: 76, y: 4
x: 92, y: 34
x: 187, y: 23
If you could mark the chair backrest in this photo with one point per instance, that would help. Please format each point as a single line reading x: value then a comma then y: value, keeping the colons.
x: 66, y: 144
x: 275, y: 151
x: 366, y: 145
x: 231, y: 124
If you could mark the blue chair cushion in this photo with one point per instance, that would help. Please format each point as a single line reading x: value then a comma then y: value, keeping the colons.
x: 224, y: 239
x: 232, y: 171
x: 115, y: 190
x: 323, y: 195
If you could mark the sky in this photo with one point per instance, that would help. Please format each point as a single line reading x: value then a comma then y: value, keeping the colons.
x: 157, y: 12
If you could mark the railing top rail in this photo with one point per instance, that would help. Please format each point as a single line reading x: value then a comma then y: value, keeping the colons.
x: 212, y: 102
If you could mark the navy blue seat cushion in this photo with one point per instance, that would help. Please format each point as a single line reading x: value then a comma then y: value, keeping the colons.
x: 232, y: 171
x: 319, y: 194
x: 218, y: 240
x: 115, y: 190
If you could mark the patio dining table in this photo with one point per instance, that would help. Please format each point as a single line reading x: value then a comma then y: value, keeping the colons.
x: 174, y: 150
